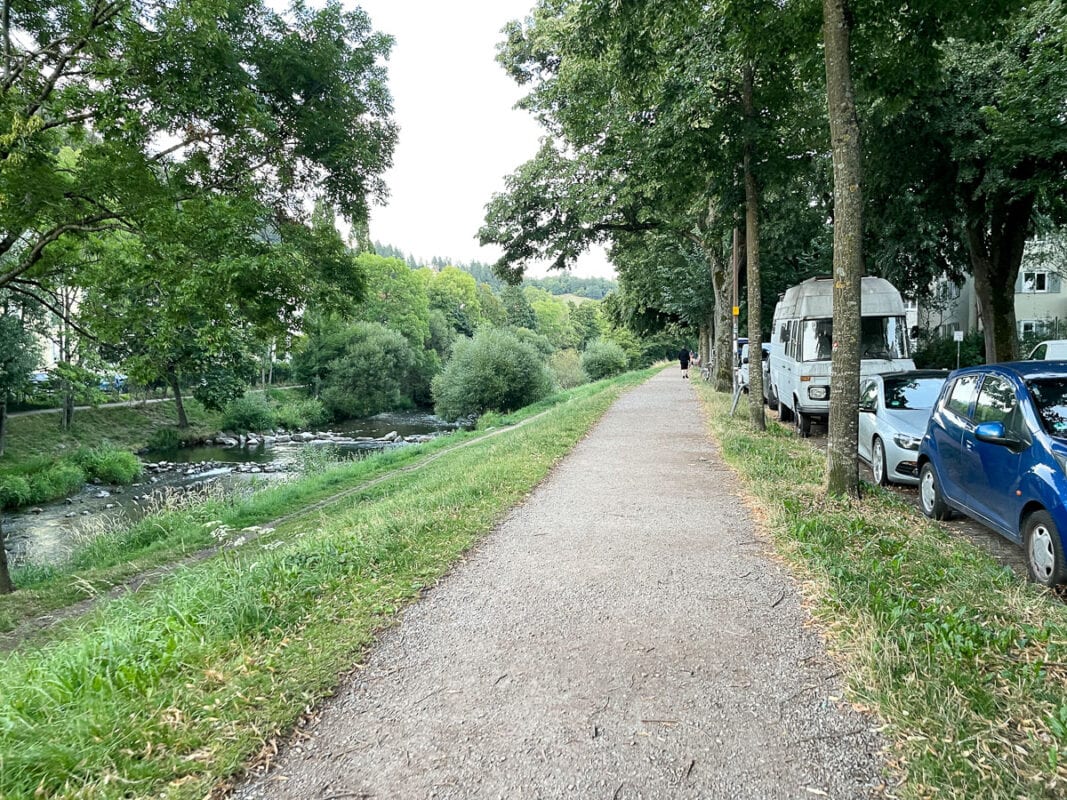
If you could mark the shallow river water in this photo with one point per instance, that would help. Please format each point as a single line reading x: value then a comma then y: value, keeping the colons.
x: 45, y: 534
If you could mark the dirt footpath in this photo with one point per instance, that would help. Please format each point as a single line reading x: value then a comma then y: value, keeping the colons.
x: 622, y: 634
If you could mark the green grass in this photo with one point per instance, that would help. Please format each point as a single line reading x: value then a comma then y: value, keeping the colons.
x: 125, y: 427
x: 166, y: 692
x: 965, y: 663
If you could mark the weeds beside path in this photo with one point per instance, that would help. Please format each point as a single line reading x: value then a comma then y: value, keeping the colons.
x: 965, y: 662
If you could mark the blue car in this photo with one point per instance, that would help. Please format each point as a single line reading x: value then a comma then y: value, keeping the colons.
x: 995, y: 449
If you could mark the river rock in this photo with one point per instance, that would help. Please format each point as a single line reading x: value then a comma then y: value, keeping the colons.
x: 306, y: 437
x: 102, y: 494
x: 390, y: 437
x: 36, y: 510
x: 283, y: 438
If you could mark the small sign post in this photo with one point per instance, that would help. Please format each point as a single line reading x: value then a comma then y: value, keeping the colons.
x: 958, y: 336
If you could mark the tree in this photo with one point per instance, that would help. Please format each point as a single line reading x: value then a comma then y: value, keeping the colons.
x: 19, y: 354
x: 116, y: 115
x: 374, y: 373
x: 455, y: 293
x: 201, y: 290
x: 396, y: 297
x: 520, y: 313
x: 842, y: 475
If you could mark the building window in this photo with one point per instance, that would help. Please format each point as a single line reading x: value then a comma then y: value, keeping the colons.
x: 1035, y: 281
x: 1031, y: 327
x: 911, y: 305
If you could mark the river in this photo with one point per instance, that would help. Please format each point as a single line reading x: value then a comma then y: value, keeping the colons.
x: 45, y: 534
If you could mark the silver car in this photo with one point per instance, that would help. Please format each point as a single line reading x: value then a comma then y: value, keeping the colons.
x: 893, y: 412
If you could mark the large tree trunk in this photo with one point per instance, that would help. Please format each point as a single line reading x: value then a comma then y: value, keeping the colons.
x: 3, y: 425
x: 841, y: 470
x: 722, y: 364
x: 175, y: 384
x: 704, y: 344
x: 755, y: 333
x: 996, y: 254
x: 6, y: 586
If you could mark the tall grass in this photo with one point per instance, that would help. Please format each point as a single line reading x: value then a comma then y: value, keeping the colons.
x: 963, y: 661
x: 165, y: 692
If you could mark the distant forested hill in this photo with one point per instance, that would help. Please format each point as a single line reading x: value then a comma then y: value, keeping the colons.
x: 563, y: 283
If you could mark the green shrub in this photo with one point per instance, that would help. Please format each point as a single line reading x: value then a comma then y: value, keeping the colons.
x: 65, y: 478
x: 301, y: 414
x: 940, y: 352
x: 14, y: 491
x: 566, y: 365
x: 165, y: 439
x: 249, y: 413
x: 376, y: 372
x: 492, y: 371
x: 108, y: 464
x: 603, y: 358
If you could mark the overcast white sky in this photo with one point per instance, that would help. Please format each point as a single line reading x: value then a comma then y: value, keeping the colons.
x: 459, y: 133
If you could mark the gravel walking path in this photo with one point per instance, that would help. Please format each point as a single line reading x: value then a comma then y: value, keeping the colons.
x: 623, y: 634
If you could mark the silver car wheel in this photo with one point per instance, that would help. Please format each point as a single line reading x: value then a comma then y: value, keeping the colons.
x: 878, y: 461
x: 928, y: 492
x: 1042, y: 558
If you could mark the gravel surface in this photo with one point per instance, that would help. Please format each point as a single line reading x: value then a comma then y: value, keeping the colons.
x: 624, y: 633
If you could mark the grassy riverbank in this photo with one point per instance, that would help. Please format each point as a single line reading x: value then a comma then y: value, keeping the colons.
x: 965, y: 663
x: 167, y: 691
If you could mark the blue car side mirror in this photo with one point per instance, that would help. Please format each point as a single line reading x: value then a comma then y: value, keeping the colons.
x: 995, y: 433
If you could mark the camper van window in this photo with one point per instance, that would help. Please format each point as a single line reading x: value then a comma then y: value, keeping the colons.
x: 883, y: 337
x: 817, y: 340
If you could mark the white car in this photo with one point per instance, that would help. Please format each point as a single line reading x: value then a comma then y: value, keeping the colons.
x: 893, y: 412
x: 741, y: 367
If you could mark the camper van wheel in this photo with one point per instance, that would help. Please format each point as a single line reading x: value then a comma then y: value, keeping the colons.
x: 803, y: 423
x: 772, y: 398
x: 785, y: 413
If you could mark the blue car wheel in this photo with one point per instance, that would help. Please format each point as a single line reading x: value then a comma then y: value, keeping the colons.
x: 1044, y: 551
x: 933, y: 504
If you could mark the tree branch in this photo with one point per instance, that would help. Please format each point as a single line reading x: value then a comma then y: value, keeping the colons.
x: 87, y: 225
x: 21, y: 287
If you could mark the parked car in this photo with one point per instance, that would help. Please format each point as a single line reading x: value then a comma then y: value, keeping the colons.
x: 1049, y: 350
x: 893, y: 412
x: 995, y: 449
x: 741, y: 367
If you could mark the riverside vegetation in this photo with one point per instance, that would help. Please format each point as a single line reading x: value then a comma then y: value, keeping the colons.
x: 964, y: 662
x: 43, y: 463
x: 171, y: 690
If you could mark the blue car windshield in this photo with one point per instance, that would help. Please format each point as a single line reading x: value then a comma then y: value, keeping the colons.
x: 914, y: 393
x: 1050, y: 397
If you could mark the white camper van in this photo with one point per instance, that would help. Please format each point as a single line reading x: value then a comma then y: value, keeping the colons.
x: 802, y: 343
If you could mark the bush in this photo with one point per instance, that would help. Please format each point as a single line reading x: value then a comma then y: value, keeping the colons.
x: 59, y: 480
x: 300, y: 414
x: 376, y: 372
x: 493, y: 371
x: 108, y: 464
x: 248, y: 413
x: 14, y: 491
x: 165, y: 439
x: 940, y: 352
x: 603, y: 358
x: 566, y: 365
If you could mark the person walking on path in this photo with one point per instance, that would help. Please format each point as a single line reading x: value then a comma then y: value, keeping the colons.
x: 683, y: 359
x: 633, y: 641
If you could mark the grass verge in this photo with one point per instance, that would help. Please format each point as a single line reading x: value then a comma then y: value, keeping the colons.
x: 965, y: 663
x: 168, y: 691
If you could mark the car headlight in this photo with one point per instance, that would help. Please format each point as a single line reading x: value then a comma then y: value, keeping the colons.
x: 905, y: 442
x: 819, y: 392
